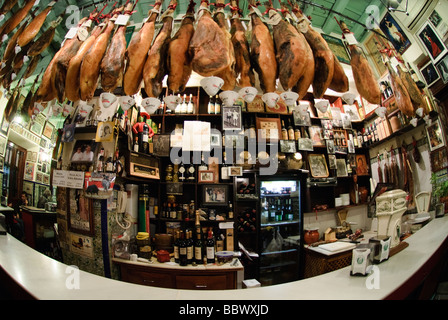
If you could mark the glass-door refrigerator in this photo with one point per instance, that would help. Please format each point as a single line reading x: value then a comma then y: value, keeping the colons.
x: 281, y: 228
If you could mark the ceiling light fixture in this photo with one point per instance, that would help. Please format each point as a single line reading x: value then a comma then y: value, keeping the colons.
x: 392, y: 6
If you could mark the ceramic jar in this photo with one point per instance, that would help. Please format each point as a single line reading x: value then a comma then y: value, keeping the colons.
x: 311, y: 235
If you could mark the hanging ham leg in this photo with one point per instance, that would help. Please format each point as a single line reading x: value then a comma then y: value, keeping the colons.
x: 47, y: 89
x: 323, y: 56
x: 155, y: 67
x: 33, y: 28
x: 340, y: 82
x: 228, y: 74
x: 112, y: 65
x: 90, y: 66
x: 44, y: 40
x: 402, y: 97
x: 243, y: 69
x: 262, y: 52
x: 409, y: 83
x: 72, y: 81
x: 137, y: 53
x: 179, y: 57
x: 17, y: 18
x: 209, y: 45
x: 366, y: 84
x: 7, y: 6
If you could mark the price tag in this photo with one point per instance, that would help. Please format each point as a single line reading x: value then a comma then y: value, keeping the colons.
x: 303, y: 25
x: 71, y: 33
x: 82, y: 34
x: 122, y: 20
x: 274, y: 18
x: 350, y: 37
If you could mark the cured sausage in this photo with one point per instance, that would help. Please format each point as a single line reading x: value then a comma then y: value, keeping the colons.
x: 155, y: 67
x: 179, y: 57
x: 262, y: 51
x: 137, y: 53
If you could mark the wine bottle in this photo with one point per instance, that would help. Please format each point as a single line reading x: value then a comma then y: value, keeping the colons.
x: 145, y: 139
x: 190, y: 106
x: 182, y: 250
x: 284, y: 131
x: 290, y: 130
x: 210, y: 247
x: 179, y: 105
x: 224, y: 169
x: 184, y: 107
x: 203, y: 166
x: 217, y: 105
x: 211, y: 106
x: 230, y: 214
x: 198, y: 252
x: 136, y: 144
x: 252, y: 130
x: 176, y: 247
x: 189, y: 247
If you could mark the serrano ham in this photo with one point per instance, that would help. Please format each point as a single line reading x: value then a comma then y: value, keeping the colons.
x: 112, y: 65
x: 243, y: 69
x: 262, y: 51
x: 7, y: 6
x: 47, y: 89
x: 72, y: 81
x: 155, y: 66
x: 33, y: 28
x: 90, y: 66
x: 340, y: 82
x: 209, y: 45
x: 228, y: 74
x: 179, y: 57
x: 291, y: 51
x: 137, y: 53
x: 412, y: 88
x: 44, y: 40
x: 366, y: 84
x: 323, y: 56
x: 17, y: 18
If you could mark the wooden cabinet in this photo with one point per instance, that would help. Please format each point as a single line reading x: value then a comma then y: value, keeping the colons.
x: 211, y: 277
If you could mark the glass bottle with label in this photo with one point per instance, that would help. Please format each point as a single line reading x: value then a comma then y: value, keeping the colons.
x: 290, y: 130
x: 190, y: 106
x: 190, y: 246
x: 182, y: 250
x: 284, y: 131
x: 176, y: 247
x: 224, y: 169
x: 184, y: 107
x: 210, y: 247
x: 211, y: 106
x: 217, y: 105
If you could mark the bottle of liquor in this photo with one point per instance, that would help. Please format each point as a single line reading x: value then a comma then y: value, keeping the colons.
x: 252, y: 130
x: 176, y: 247
x: 297, y: 134
x: 224, y: 169
x: 230, y: 214
x: 211, y: 106
x: 203, y: 166
x: 145, y: 139
x: 190, y: 106
x: 198, y: 255
x: 337, y: 138
x: 360, y: 139
x: 173, y: 212
x: 184, y: 107
x: 290, y: 130
x: 135, y: 144
x: 190, y: 247
x: 343, y: 140
x: 364, y: 137
x: 179, y: 105
x: 182, y: 172
x: 217, y: 105
x: 182, y: 250
x: 210, y: 245
x: 284, y: 131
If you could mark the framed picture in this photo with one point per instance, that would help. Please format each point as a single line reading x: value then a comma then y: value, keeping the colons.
x: 316, y: 136
x: 3, y: 142
x: 429, y: 72
x: 395, y: 33
x: 432, y: 42
x: 161, y: 143
x: 341, y: 168
x: 231, y: 118
x: 337, y: 46
x: 318, y: 165
x: 301, y: 120
x: 48, y: 130
x: 288, y: 146
x: 79, y: 212
x: 362, y: 168
x: 2, y: 164
x: 435, y: 135
x: 330, y: 146
x: 105, y: 131
x: 269, y: 129
x: 83, y: 155
x: 235, y: 171
x: 29, y: 171
x: 215, y: 195
x: 257, y: 105
x: 4, y: 127
x: 279, y: 108
x: 306, y: 144
x: 442, y: 67
x: 215, y: 139
x: 206, y: 176
x: 435, y: 18
x: 38, y: 124
x: 439, y: 159
x: 332, y: 161
x: 374, y: 54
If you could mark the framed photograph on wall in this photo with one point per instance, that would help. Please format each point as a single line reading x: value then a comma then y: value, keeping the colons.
x: 442, y: 67
x: 393, y: 31
x: 435, y: 135
x: 206, y: 176
x: 79, y: 212
x: 337, y: 46
x: 215, y: 195
x: 48, y: 130
x: 3, y: 142
x: 161, y: 143
x: 341, y: 168
x: 429, y: 72
x: 231, y: 118
x: 4, y: 127
x: 269, y: 129
x: 431, y: 41
x: 318, y: 165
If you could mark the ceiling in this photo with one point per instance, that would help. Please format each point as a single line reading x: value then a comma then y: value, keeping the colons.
x: 322, y: 13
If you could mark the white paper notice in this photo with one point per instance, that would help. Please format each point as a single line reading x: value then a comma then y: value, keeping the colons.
x: 59, y: 178
x: 75, y: 179
x: 196, y: 136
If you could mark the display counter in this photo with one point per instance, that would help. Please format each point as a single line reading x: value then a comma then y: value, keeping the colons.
x: 38, y: 276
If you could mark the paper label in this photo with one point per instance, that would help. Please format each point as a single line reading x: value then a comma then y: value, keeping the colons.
x: 71, y: 33
x: 350, y: 38
x: 303, y: 25
x: 82, y: 34
x: 274, y: 18
x: 122, y: 20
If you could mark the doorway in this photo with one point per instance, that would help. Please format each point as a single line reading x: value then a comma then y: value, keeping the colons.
x: 14, y: 168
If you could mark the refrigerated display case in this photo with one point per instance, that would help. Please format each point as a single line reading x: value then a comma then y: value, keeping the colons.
x: 280, y: 228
